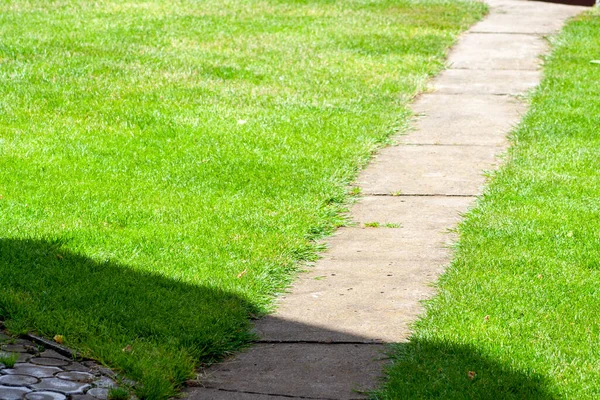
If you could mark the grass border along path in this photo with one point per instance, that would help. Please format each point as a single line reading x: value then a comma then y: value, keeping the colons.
x: 164, y: 165
x: 517, y: 312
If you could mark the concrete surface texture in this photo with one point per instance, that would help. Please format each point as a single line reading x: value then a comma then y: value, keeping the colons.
x: 327, y: 339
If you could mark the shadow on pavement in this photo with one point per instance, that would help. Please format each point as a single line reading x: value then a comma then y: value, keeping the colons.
x: 47, y: 289
x: 338, y: 365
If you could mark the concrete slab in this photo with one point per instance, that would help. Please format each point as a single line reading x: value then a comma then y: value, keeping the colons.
x: 365, y: 302
x: 498, y: 51
x: 463, y: 120
x: 370, y: 282
x: 501, y: 82
x: 429, y: 170
x: 414, y: 213
x: 214, y: 394
x: 387, y: 244
x: 305, y: 370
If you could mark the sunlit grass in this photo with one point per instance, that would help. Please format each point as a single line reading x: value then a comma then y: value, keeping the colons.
x: 519, y: 306
x: 164, y: 165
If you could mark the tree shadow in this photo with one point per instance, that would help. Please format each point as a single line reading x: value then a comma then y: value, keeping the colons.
x: 314, y: 362
x: 424, y: 369
x: 158, y: 329
x: 167, y: 327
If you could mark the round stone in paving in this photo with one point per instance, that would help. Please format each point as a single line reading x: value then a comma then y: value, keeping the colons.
x: 16, y: 348
x: 61, y: 385
x: 45, y: 396
x: 104, y: 382
x: 50, y: 362
x: 12, y: 393
x: 76, y: 376
x: 75, y: 366
x: 99, y: 393
x: 18, y: 380
x: 24, y: 357
x: 53, y: 354
x: 30, y: 369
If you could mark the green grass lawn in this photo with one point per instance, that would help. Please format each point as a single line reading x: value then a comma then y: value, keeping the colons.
x: 519, y: 305
x: 165, y: 164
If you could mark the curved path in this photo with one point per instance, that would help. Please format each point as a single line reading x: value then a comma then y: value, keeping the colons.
x: 327, y: 337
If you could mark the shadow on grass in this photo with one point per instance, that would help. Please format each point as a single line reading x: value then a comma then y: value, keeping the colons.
x: 427, y: 370
x: 306, y: 365
x: 103, y: 307
x: 168, y: 327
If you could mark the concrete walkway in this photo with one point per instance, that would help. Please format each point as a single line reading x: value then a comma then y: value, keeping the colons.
x: 326, y: 340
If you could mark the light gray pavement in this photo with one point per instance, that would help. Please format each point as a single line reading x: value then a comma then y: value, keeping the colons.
x: 326, y: 341
x: 477, y: 120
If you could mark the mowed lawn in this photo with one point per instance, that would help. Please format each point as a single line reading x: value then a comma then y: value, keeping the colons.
x: 166, y: 165
x: 517, y: 314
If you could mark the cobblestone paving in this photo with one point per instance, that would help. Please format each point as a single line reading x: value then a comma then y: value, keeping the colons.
x: 44, y: 374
